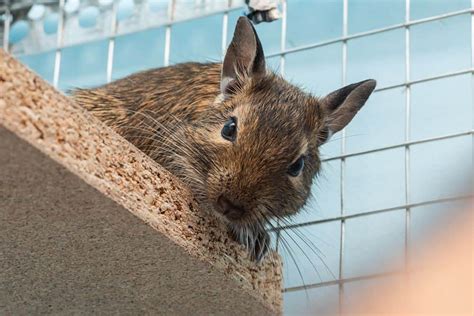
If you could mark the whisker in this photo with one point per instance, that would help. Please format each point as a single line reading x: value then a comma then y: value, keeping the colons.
x: 288, y: 250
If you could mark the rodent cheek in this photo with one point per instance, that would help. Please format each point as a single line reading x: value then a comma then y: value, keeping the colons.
x: 213, y: 190
x: 300, y: 194
x: 217, y: 182
x: 296, y: 182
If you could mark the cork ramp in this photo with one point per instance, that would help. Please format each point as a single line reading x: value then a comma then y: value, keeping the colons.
x: 90, y: 225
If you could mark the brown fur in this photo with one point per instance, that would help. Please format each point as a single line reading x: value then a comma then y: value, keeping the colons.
x: 180, y: 126
x: 176, y: 114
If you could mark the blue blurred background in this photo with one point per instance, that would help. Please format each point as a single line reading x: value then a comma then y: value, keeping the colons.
x: 404, y: 157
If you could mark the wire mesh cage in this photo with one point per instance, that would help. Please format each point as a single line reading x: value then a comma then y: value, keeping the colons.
x: 387, y: 178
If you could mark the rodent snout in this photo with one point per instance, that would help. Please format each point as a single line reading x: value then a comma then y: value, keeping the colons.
x: 229, y: 209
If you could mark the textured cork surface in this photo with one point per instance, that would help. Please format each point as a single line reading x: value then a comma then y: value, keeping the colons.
x: 69, y: 190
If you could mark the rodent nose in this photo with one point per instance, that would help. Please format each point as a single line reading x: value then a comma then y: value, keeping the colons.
x: 228, y: 208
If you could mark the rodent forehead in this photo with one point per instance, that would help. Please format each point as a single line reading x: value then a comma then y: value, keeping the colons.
x: 283, y: 131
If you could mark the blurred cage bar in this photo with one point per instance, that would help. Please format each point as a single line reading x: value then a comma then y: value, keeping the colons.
x: 43, y: 26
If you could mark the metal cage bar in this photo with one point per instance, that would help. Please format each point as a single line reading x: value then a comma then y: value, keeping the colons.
x: 472, y: 82
x: 343, y: 281
x: 171, y: 9
x: 282, y: 72
x: 407, y: 130
x: 372, y: 212
x: 431, y: 78
x: 345, y: 31
x: 414, y: 142
x: 59, y: 44
x: 111, y: 47
x: 287, y: 51
x: 225, y: 27
x: 283, y: 36
x: 6, y: 29
x: 373, y: 32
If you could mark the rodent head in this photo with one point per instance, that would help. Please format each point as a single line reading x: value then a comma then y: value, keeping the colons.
x: 255, y: 151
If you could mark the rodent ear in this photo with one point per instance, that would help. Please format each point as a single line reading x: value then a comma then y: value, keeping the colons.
x: 244, y: 56
x: 342, y: 105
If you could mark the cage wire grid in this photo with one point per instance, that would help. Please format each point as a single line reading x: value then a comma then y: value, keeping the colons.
x: 341, y: 280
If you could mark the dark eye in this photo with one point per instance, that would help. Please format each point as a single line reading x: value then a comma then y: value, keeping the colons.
x: 295, y: 168
x: 229, y: 131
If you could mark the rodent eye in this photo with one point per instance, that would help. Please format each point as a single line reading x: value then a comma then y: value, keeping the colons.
x: 229, y: 130
x: 295, y: 168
